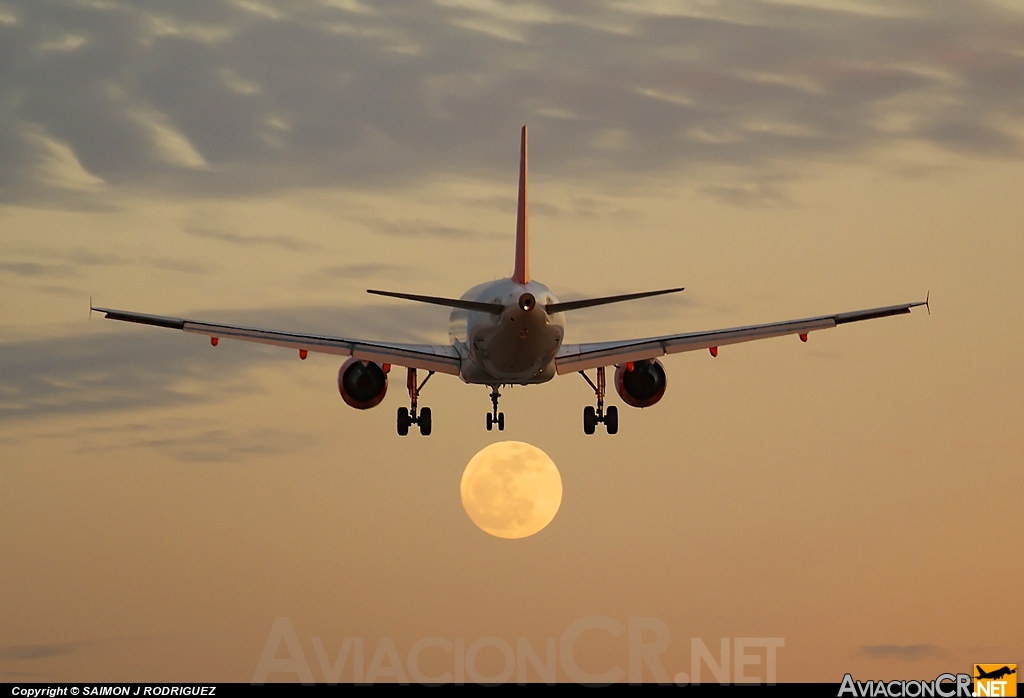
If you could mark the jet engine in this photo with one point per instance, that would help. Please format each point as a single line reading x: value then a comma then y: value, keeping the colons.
x: 362, y: 384
x: 640, y: 383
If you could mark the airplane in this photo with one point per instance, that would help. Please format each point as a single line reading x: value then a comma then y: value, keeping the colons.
x: 996, y: 674
x: 509, y: 332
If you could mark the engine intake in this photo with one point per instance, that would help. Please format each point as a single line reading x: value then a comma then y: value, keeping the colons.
x: 362, y: 384
x: 641, y: 383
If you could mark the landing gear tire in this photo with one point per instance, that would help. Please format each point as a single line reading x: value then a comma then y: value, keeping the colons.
x: 593, y: 416
x: 494, y: 417
x: 611, y: 419
x: 408, y: 416
x: 498, y: 421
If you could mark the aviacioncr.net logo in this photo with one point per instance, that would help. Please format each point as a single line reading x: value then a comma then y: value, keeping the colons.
x: 943, y: 686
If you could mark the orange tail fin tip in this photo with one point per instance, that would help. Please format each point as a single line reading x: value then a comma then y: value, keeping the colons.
x: 521, y: 275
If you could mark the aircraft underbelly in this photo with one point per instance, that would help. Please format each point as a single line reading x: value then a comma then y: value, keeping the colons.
x: 473, y: 373
x: 510, y: 353
x: 516, y: 347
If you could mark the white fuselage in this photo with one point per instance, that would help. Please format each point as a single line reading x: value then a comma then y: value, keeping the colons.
x: 517, y: 347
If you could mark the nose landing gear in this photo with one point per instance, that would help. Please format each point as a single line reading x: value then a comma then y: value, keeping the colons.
x: 409, y: 416
x: 591, y: 416
x: 494, y: 417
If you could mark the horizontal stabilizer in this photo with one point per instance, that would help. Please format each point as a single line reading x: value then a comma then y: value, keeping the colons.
x: 591, y: 302
x: 495, y: 308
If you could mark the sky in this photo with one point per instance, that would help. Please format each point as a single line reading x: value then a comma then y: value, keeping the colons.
x: 264, y: 162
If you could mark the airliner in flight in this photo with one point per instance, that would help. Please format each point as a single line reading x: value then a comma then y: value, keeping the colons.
x: 509, y: 332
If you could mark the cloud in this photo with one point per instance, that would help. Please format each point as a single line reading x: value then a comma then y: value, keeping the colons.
x: 251, y: 97
x: 35, y: 269
x: 423, y: 229
x: 906, y: 653
x: 15, y: 652
x: 357, y: 271
x: 184, y: 266
x: 508, y: 204
x: 44, y: 651
x: 191, y: 441
x: 64, y: 263
x: 67, y: 263
x: 750, y: 194
x: 285, y: 242
x: 60, y: 290
x: 57, y: 165
x: 96, y: 373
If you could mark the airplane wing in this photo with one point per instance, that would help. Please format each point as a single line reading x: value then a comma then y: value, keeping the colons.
x: 430, y: 357
x: 579, y: 357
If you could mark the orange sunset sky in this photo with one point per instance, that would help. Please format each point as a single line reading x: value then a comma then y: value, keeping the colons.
x: 264, y: 162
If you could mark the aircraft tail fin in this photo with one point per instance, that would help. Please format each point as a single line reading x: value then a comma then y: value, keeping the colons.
x: 521, y: 275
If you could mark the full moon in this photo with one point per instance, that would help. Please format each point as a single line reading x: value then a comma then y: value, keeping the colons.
x: 511, y: 489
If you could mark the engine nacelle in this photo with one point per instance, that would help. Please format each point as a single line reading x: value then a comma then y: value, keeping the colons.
x: 362, y: 384
x: 640, y: 383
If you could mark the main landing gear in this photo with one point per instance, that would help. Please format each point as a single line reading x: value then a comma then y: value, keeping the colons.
x: 591, y: 416
x: 407, y: 416
x: 494, y: 417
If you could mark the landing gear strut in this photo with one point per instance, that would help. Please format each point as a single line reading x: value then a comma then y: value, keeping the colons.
x: 592, y: 417
x: 407, y: 416
x: 495, y: 417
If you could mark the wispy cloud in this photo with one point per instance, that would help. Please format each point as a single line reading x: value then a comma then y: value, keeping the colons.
x: 384, y: 97
x: 906, y: 653
x: 15, y: 652
x: 35, y: 269
x: 65, y: 263
x: 356, y: 271
x: 416, y: 229
x: 184, y: 266
x: 193, y: 441
x: 508, y: 205
x: 285, y: 242
x: 45, y: 651
x: 58, y: 290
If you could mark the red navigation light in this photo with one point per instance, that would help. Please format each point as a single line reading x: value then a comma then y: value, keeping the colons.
x: 303, y: 354
x: 629, y: 366
x: 713, y: 350
x: 803, y: 337
x: 387, y: 368
x: 213, y: 341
